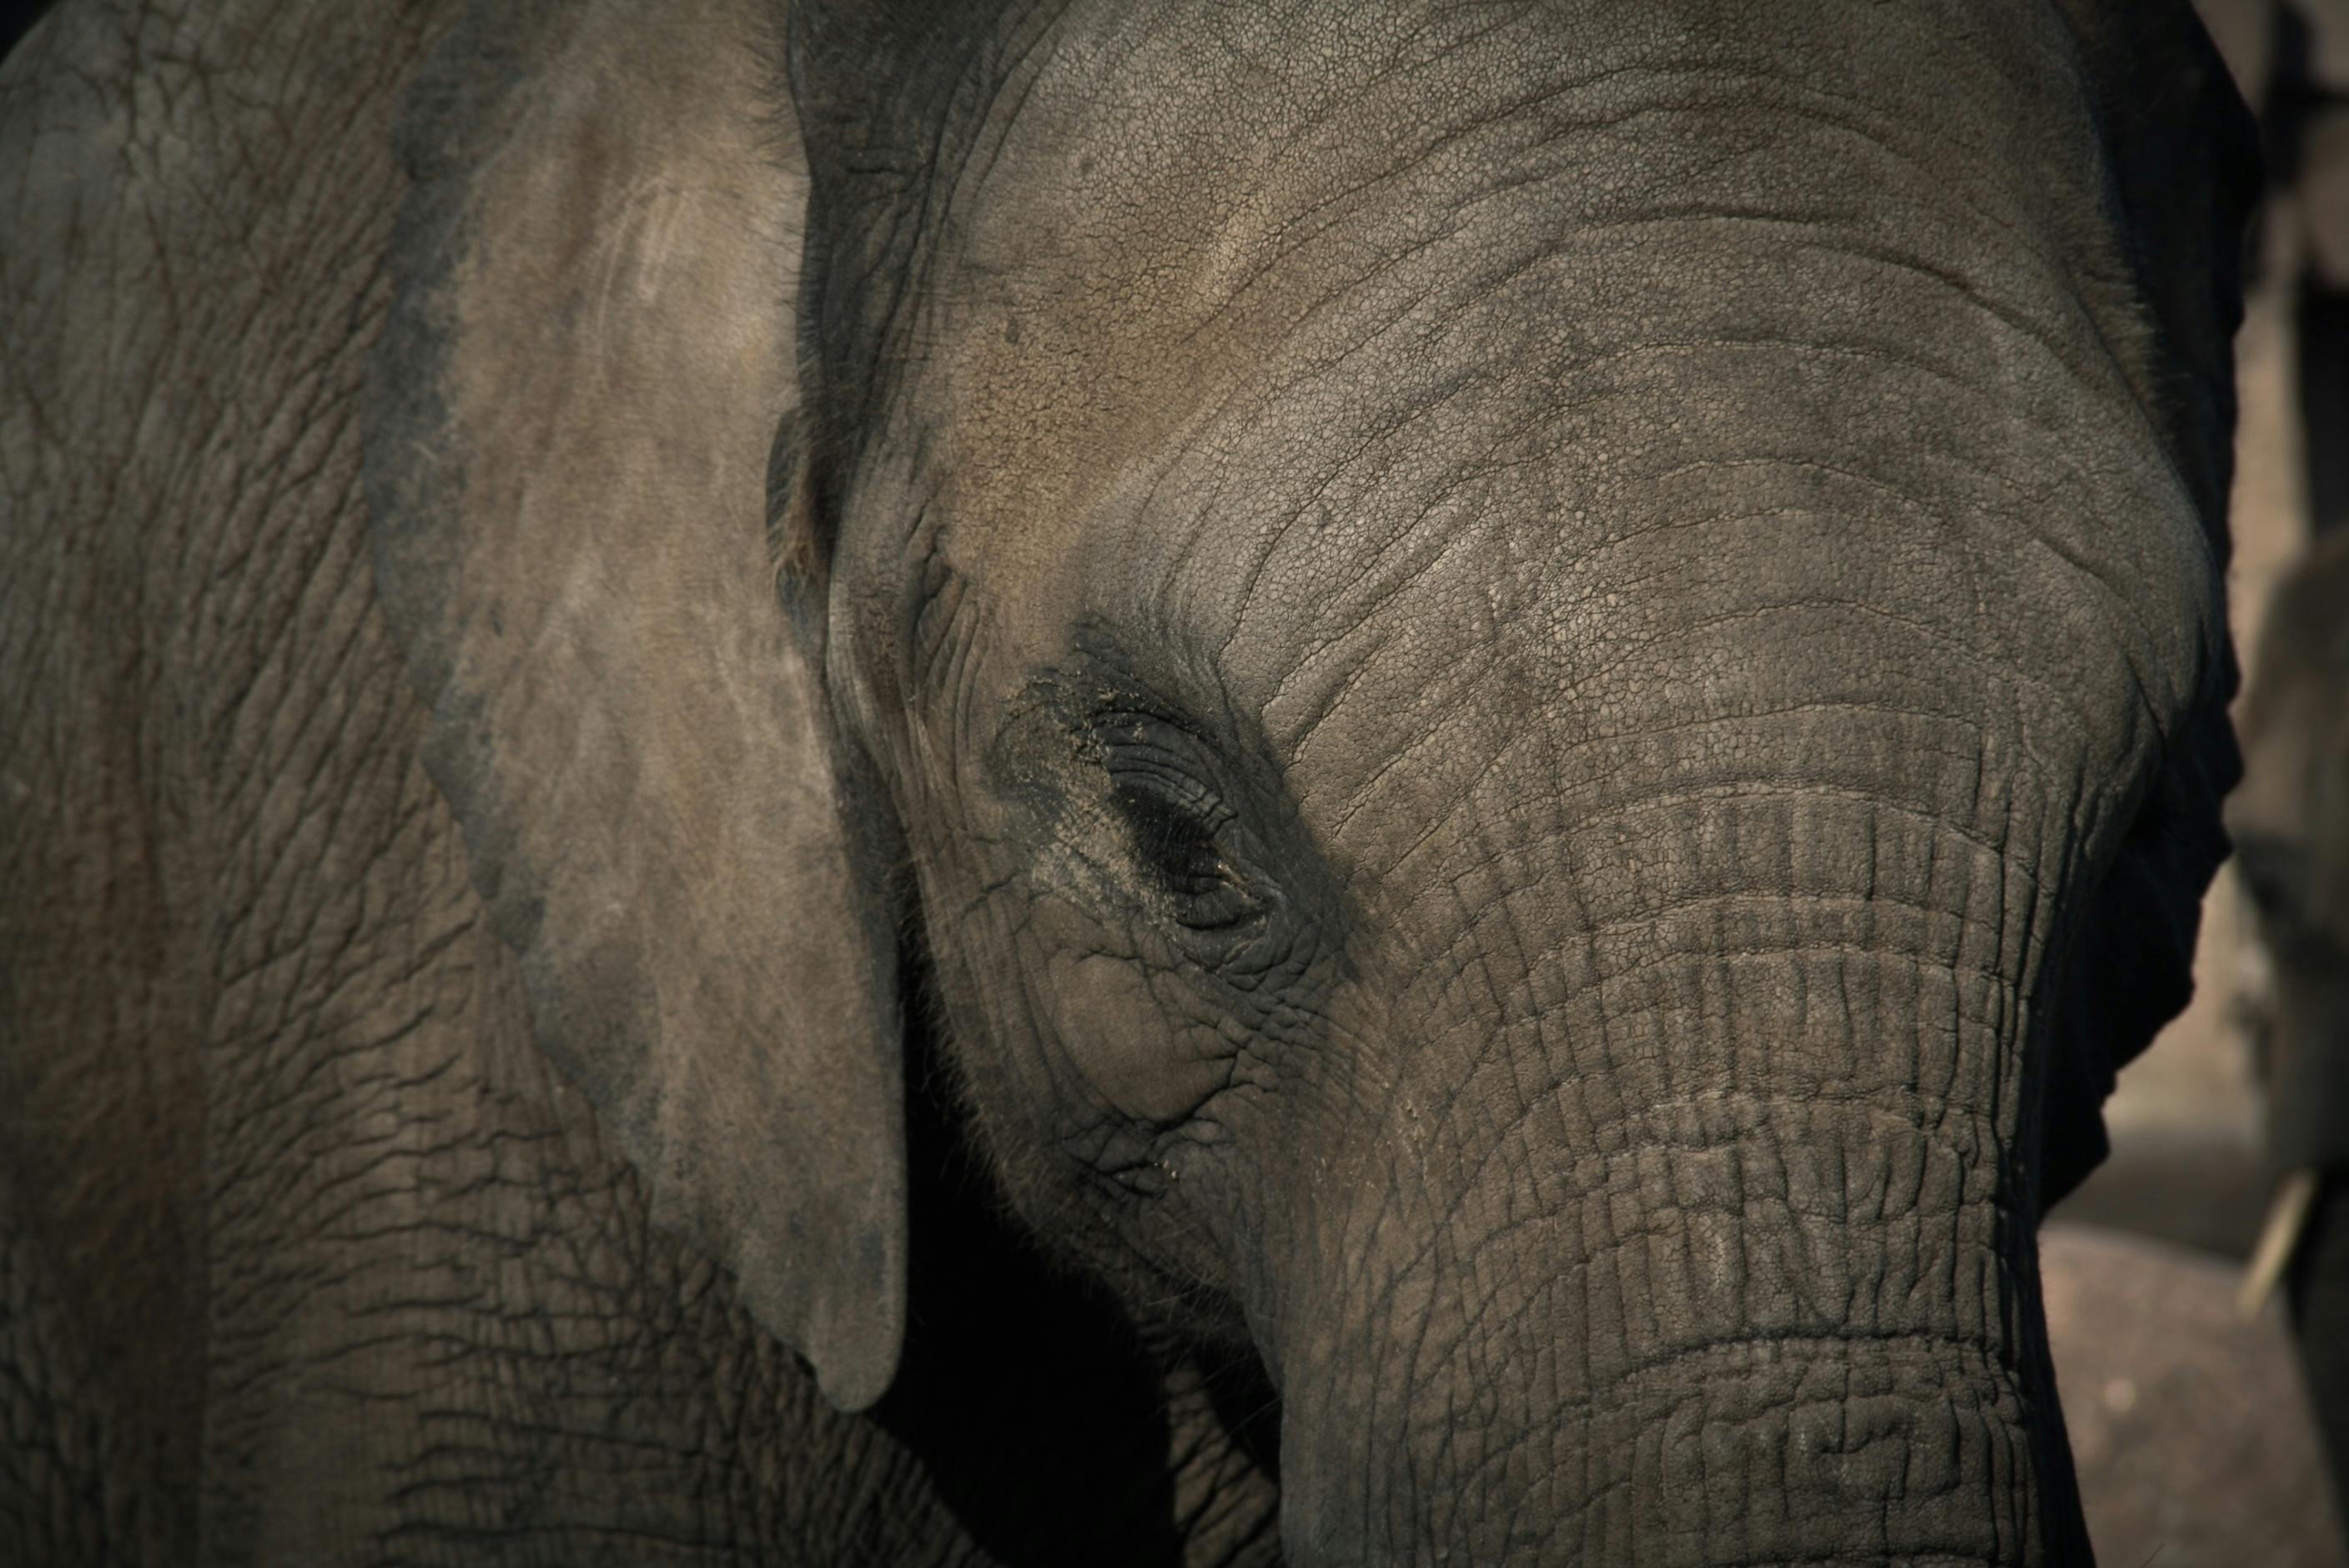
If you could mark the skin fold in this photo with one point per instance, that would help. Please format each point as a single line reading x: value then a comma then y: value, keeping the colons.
x: 1083, y: 783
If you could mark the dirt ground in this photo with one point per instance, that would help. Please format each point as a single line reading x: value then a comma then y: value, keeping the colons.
x: 2189, y: 1430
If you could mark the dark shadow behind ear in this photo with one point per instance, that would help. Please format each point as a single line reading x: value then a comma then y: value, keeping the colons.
x: 590, y: 348
x: 2185, y: 161
x: 890, y: 95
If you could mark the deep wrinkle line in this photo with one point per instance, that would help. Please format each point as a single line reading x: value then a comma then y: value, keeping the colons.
x: 1560, y: 134
x: 1468, y: 1183
x: 1445, y: 140
x: 1358, y: 799
x: 1620, y: 809
x: 2036, y: 538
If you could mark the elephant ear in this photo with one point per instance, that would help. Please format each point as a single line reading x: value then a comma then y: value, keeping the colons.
x: 2185, y: 165
x: 572, y: 416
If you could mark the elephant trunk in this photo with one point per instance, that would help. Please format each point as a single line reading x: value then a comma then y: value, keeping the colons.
x: 1753, y: 1332
x: 1720, y: 1248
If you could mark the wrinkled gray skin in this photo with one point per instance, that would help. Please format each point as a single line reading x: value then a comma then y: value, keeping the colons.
x: 1381, y: 784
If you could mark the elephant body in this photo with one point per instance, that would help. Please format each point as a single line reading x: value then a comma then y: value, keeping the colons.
x: 971, y: 784
x: 2291, y: 818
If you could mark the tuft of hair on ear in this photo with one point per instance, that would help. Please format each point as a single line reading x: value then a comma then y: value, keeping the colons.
x: 770, y: 51
x: 799, y: 552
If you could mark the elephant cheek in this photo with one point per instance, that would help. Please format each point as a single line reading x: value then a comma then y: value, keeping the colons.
x: 1126, y: 1027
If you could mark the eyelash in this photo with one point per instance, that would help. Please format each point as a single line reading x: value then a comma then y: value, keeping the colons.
x: 1179, y: 830
x: 1182, y: 848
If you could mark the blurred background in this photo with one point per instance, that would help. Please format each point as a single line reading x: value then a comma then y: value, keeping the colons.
x: 2189, y: 1419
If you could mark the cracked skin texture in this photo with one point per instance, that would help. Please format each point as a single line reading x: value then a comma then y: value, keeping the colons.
x: 1545, y: 898
x: 306, y: 1256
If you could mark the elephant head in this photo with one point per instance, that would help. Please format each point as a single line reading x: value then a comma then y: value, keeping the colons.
x: 1533, y: 694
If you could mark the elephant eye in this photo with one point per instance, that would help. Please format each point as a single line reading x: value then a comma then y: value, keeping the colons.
x: 1176, y: 842
x: 1183, y: 836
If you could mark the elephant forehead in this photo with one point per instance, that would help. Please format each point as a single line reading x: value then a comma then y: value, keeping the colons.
x: 1166, y: 190
x: 1544, y: 487
x: 1578, y: 392
x: 1251, y: 340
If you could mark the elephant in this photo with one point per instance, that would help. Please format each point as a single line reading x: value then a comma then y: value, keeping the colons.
x: 2289, y: 820
x: 960, y: 783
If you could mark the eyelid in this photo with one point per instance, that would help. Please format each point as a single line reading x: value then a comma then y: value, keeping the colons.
x: 1160, y: 754
x: 1172, y: 787
x: 1157, y: 767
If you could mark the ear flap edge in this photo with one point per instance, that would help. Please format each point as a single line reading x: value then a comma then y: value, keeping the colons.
x: 566, y: 435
